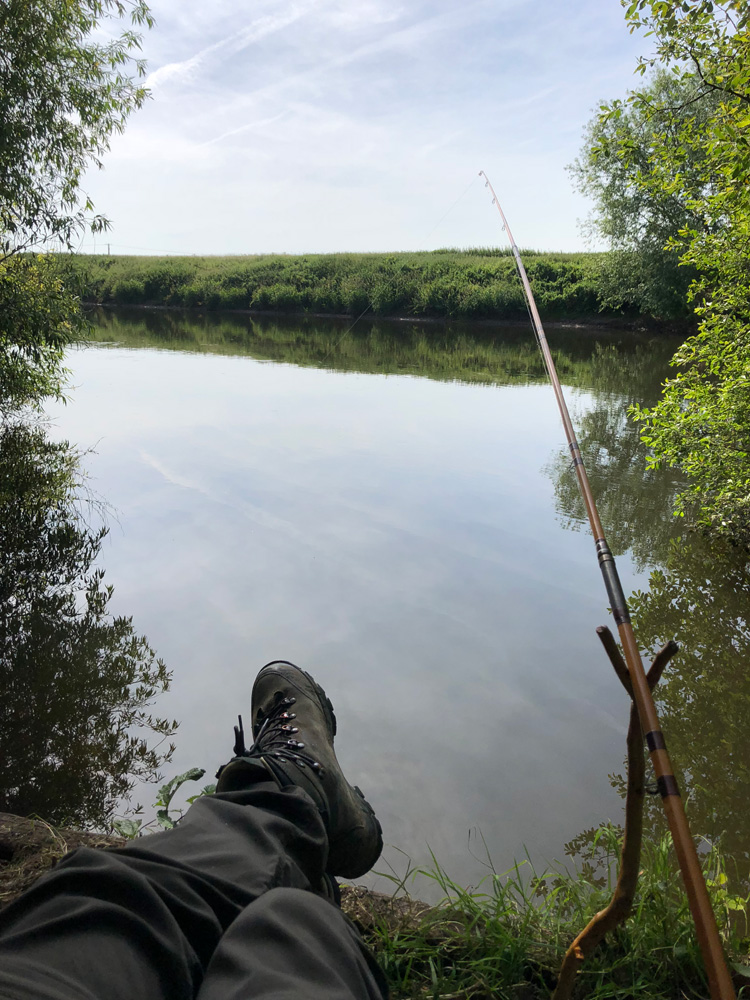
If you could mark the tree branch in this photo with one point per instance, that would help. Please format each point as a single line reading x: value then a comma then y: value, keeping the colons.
x: 714, y: 86
x: 621, y: 903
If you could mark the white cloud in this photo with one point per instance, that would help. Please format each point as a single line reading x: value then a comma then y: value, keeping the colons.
x: 232, y: 45
x: 355, y: 124
x: 250, y: 126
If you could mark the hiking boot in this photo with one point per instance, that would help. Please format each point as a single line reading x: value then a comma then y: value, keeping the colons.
x: 293, y: 730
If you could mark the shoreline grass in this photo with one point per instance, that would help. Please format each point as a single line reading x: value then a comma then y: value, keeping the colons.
x: 456, y: 284
x: 506, y: 937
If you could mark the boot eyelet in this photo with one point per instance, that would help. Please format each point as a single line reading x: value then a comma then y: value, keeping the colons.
x: 272, y: 737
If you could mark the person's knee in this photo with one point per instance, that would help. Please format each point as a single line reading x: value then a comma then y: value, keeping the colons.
x: 281, y: 900
x: 291, y: 943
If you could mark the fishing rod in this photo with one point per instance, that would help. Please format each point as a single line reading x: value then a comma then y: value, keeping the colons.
x: 719, y: 980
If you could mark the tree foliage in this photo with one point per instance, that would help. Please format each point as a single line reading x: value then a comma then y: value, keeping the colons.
x: 699, y: 155
x: 39, y: 316
x: 65, y: 89
x: 77, y: 682
x: 700, y: 596
x: 62, y: 96
x: 639, y: 220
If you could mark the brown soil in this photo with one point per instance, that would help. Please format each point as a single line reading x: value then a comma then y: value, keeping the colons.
x: 28, y: 847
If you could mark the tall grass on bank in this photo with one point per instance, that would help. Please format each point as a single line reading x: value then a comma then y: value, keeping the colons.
x: 506, y: 938
x: 449, y: 283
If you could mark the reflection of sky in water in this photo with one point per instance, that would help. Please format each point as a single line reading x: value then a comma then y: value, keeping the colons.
x: 395, y: 536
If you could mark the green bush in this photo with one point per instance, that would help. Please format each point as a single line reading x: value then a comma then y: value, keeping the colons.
x: 471, y: 284
x: 126, y: 292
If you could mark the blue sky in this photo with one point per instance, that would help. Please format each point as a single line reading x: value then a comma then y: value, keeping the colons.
x: 331, y: 125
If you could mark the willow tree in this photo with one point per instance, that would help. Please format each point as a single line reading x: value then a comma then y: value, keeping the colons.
x: 64, y: 92
x: 698, y: 157
x: 638, y: 219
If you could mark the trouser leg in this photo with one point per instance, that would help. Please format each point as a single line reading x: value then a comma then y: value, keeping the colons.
x: 291, y: 944
x: 143, y: 921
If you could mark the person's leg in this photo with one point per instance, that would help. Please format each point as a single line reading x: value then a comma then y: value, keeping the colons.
x: 290, y: 945
x: 144, y: 920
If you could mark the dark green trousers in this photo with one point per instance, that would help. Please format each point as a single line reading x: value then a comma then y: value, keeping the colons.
x: 223, y: 907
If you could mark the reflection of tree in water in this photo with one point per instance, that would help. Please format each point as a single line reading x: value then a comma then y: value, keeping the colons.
x: 76, y: 681
x: 701, y: 598
x: 698, y: 594
x: 484, y: 354
x: 635, y: 503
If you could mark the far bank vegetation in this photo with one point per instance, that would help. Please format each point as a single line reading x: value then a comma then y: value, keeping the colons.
x: 462, y: 284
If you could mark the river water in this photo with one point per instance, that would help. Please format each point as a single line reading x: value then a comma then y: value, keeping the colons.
x: 393, y: 509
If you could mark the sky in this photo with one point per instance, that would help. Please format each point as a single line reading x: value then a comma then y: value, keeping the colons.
x: 316, y: 126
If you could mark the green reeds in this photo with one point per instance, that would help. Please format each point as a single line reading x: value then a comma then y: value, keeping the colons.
x: 506, y: 937
x: 468, y: 284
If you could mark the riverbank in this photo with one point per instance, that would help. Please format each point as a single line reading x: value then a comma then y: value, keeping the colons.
x: 504, y: 938
x: 479, y: 284
x: 590, y: 324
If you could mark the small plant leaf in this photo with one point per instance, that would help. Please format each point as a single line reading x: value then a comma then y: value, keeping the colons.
x: 164, y: 819
x: 166, y: 792
x: 127, y: 828
x: 206, y: 790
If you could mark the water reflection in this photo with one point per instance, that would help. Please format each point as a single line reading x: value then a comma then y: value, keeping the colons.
x: 396, y: 536
x: 635, y: 503
x: 473, y: 353
x: 700, y: 595
x: 76, y: 682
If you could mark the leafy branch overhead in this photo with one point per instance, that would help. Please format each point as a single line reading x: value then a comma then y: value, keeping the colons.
x: 682, y: 143
x: 62, y: 96
x: 68, y: 83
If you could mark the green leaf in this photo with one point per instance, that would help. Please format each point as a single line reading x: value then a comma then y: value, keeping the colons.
x: 127, y: 828
x: 166, y: 792
x: 206, y: 790
x: 735, y: 903
x: 165, y: 820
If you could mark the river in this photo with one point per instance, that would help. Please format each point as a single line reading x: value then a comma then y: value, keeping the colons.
x: 393, y: 509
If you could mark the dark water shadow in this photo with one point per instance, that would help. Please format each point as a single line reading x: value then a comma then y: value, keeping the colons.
x: 76, y: 682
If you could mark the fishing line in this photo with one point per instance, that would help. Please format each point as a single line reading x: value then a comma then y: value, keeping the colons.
x: 396, y: 276
x: 444, y: 217
x: 720, y: 981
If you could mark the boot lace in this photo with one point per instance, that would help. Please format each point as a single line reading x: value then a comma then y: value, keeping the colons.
x: 273, y: 736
